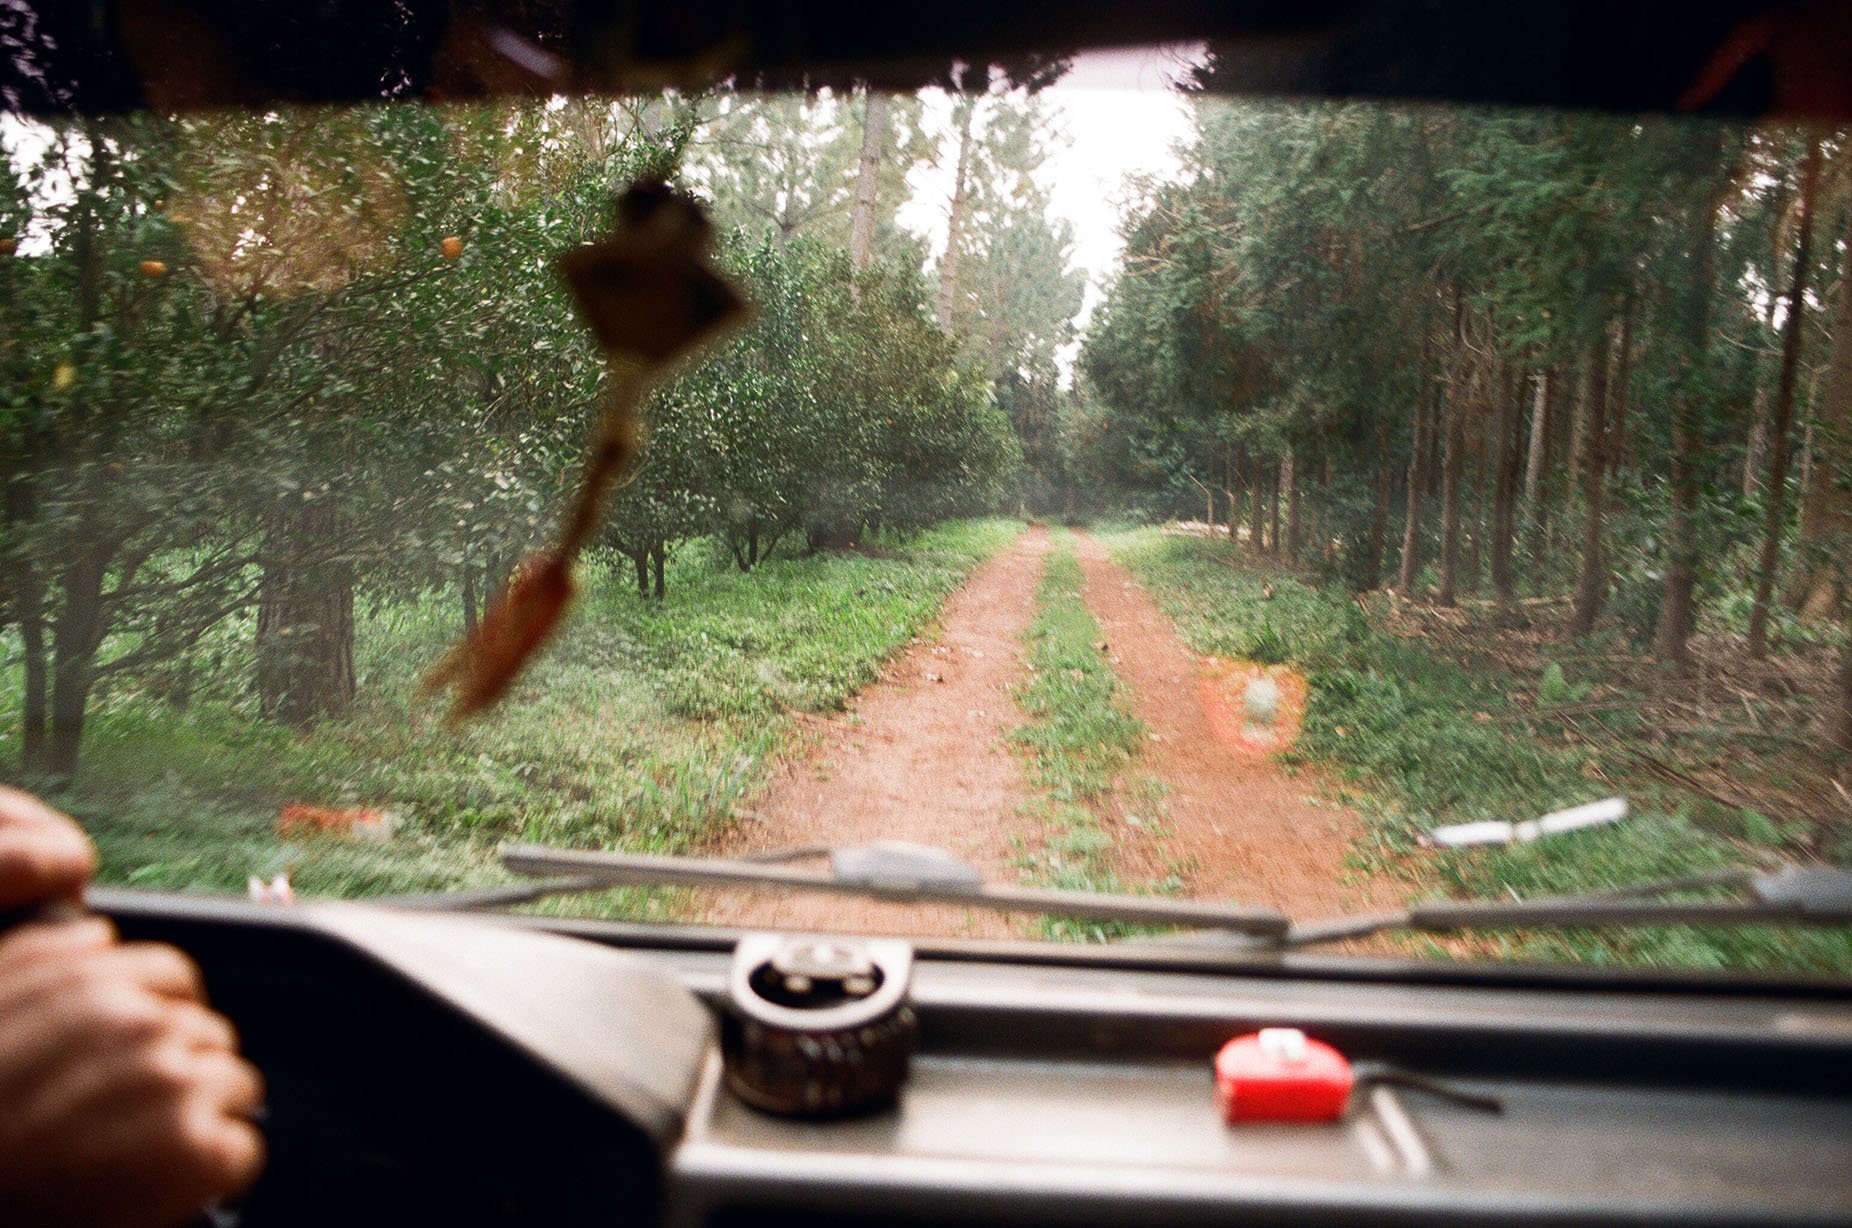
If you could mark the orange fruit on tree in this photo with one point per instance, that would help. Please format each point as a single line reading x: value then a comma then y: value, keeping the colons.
x: 453, y: 247
x: 153, y: 268
x: 8, y: 245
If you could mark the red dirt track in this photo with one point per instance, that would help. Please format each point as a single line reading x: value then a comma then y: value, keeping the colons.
x: 923, y: 755
x: 1244, y: 829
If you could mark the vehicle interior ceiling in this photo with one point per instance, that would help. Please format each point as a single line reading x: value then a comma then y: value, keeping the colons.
x: 545, y: 1069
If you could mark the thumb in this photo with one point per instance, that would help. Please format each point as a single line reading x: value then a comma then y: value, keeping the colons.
x: 44, y: 856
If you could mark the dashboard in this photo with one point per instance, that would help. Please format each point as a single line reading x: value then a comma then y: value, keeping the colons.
x: 435, y: 1068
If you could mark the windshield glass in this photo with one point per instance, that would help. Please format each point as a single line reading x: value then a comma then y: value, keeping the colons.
x: 1123, y: 488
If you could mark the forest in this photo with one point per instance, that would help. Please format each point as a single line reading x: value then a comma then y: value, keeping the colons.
x: 1593, y: 371
x: 285, y: 396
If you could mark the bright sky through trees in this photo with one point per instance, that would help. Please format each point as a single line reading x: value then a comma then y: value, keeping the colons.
x: 1119, y: 116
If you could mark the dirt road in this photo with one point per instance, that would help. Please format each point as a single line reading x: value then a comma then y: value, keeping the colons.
x: 1242, y: 827
x: 923, y: 755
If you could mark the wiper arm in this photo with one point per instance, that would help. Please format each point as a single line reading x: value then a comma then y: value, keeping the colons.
x: 912, y: 873
x: 1792, y: 895
x: 905, y: 873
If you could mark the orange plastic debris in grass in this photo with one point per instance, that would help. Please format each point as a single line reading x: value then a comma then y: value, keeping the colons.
x: 1253, y: 709
x: 301, y: 819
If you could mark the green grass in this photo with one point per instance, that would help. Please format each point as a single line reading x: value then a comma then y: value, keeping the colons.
x: 1081, y: 741
x: 1422, y: 741
x: 643, y: 727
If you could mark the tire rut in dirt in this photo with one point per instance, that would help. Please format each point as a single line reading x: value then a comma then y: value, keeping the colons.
x: 1242, y: 828
x: 921, y: 755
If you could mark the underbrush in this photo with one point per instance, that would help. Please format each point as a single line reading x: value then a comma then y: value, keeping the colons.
x: 643, y: 727
x: 1081, y: 739
x: 1426, y: 738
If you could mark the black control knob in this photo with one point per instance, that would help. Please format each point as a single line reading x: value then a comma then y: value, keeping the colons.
x: 818, y: 1026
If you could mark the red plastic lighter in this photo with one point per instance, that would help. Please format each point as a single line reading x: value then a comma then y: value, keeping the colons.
x: 1281, y: 1074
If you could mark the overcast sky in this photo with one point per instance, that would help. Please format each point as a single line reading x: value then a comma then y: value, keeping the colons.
x: 1117, y: 116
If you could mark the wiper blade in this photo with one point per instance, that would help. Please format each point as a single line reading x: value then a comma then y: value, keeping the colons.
x: 1792, y: 895
x: 904, y: 873
x: 911, y: 873
x: 480, y: 899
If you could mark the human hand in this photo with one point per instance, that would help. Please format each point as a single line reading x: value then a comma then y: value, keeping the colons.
x: 44, y: 857
x: 126, y: 1103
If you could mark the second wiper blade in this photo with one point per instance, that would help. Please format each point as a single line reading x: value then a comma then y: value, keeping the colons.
x: 1793, y: 895
x: 904, y: 874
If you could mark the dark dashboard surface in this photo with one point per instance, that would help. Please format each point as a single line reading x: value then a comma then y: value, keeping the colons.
x: 488, y: 1071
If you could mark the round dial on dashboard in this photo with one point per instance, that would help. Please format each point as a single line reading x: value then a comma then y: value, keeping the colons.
x: 818, y: 1026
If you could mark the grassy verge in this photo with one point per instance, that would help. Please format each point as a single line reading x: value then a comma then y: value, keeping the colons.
x: 1081, y: 739
x: 642, y: 728
x: 1422, y: 741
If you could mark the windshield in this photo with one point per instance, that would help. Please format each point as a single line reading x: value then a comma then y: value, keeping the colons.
x: 1123, y: 488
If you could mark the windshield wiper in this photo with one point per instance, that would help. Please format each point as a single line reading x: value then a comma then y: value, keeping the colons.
x: 908, y: 873
x: 892, y: 870
x: 1792, y: 895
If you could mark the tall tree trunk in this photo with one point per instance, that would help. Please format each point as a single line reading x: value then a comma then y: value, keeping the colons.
x: 26, y: 598
x: 1755, y: 452
x: 1321, y: 517
x: 1238, y: 500
x: 1539, y: 436
x: 1431, y: 464
x: 1677, y: 615
x: 78, y: 628
x: 1504, y: 495
x: 1536, y: 458
x: 948, y: 267
x: 1826, y: 499
x: 1543, y: 524
x: 1257, y: 505
x: 1228, y: 487
x: 658, y: 555
x: 1776, y: 503
x: 1291, y: 480
x: 1275, y: 480
x: 639, y: 560
x: 1592, y: 581
x: 1411, y: 520
x: 1371, y: 575
x: 1474, y: 528
x: 305, y: 614
x: 1620, y: 395
x: 1452, y: 461
x: 868, y: 176
x: 76, y: 636
x: 1560, y: 452
x: 1453, y: 444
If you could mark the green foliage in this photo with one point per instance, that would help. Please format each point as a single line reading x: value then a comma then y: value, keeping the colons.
x: 1081, y: 738
x: 1338, y: 283
x: 354, y: 377
x: 1081, y: 733
x: 1437, y: 743
x: 837, y: 412
x: 1555, y: 688
x: 599, y: 747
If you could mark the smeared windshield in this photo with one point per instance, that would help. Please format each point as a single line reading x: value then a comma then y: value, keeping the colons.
x: 1118, y: 487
